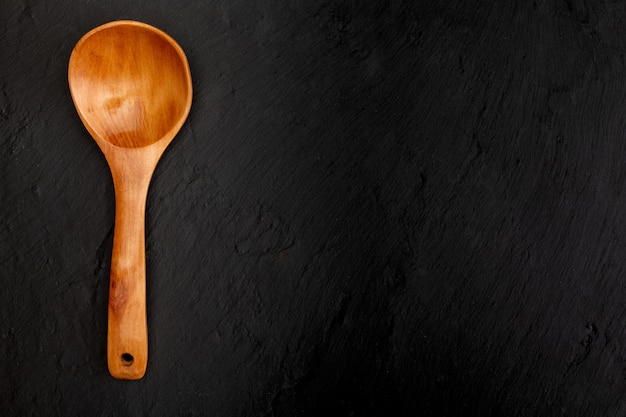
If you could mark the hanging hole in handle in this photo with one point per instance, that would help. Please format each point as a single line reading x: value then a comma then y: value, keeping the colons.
x: 127, y: 359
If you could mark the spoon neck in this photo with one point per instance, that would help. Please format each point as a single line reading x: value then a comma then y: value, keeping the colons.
x: 129, y: 236
x: 131, y: 194
x: 131, y: 180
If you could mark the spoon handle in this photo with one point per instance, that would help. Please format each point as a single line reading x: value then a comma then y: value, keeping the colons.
x: 127, y: 342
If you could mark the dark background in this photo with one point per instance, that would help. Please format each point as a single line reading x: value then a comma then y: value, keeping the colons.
x: 374, y: 208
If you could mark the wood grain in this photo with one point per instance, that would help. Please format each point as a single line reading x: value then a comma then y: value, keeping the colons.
x: 131, y: 85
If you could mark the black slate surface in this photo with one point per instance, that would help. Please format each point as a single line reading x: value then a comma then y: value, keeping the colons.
x: 374, y: 208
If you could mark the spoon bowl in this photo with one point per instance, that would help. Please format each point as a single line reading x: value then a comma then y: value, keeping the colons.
x: 131, y: 85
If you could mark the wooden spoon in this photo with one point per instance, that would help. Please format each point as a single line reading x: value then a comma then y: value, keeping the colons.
x: 131, y: 86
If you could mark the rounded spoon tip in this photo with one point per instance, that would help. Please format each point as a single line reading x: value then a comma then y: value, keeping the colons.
x: 131, y: 84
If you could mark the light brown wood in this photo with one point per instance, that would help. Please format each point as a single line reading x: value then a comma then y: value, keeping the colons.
x: 131, y: 86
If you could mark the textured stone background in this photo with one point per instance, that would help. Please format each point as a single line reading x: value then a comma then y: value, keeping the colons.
x: 375, y: 208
